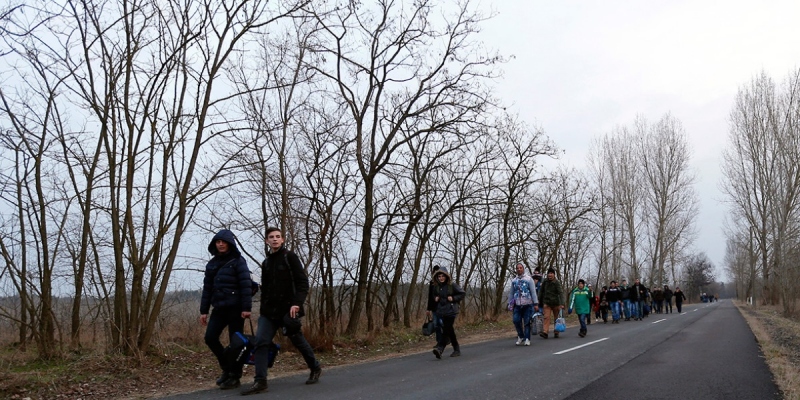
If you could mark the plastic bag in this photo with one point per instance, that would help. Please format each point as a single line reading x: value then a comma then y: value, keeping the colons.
x: 537, y: 323
x: 561, y: 323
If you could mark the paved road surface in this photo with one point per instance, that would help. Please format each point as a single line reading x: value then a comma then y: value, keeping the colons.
x: 707, y: 353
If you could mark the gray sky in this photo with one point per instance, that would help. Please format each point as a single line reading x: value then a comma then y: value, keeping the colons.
x: 582, y: 67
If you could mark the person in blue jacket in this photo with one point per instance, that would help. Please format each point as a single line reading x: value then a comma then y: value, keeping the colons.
x: 228, y: 288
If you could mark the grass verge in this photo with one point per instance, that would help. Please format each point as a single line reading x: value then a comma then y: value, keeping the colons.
x: 779, y: 339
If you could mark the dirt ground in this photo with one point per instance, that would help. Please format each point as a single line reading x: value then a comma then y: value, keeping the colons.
x: 182, y: 369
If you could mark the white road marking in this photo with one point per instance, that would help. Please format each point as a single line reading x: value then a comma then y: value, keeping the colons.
x: 662, y: 319
x: 578, y: 347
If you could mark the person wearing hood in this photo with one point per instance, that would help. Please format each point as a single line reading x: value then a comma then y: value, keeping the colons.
x: 524, y: 302
x: 432, y: 316
x: 285, y: 286
x: 443, y: 300
x: 227, y: 287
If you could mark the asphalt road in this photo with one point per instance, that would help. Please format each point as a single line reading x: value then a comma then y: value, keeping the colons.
x: 708, y: 352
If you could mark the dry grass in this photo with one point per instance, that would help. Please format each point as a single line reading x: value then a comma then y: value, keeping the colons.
x: 779, y: 338
x: 181, y: 363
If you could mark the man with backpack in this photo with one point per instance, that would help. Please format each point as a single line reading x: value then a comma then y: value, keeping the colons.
x: 284, y: 289
x: 227, y: 288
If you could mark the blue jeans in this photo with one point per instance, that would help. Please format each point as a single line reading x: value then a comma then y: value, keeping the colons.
x: 220, y: 319
x: 628, y: 309
x: 615, y: 310
x: 267, y: 327
x: 582, y: 319
x: 522, y: 320
x: 438, y: 326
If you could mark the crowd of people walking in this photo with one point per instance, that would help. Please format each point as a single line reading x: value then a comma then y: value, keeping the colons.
x: 544, y: 296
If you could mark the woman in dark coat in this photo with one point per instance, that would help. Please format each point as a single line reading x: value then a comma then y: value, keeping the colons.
x: 443, y: 301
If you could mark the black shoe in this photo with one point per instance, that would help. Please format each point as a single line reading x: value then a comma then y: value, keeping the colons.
x: 231, y: 383
x: 582, y: 333
x: 222, y: 378
x: 259, y: 385
x: 438, y: 352
x: 455, y: 353
x: 314, y: 376
x: 543, y: 335
x: 555, y: 334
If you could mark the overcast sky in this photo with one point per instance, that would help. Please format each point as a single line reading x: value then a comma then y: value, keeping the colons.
x: 579, y: 68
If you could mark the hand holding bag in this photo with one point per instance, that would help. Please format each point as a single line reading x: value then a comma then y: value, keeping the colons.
x: 428, y: 328
x: 241, y: 346
x: 537, y: 323
x: 561, y: 323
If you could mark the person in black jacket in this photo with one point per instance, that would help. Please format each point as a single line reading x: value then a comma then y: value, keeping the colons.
x: 228, y: 288
x: 432, y: 316
x: 443, y: 300
x: 679, y: 298
x: 614, y: 297
x: 637, y: 299
x: 284, y: 286
x: 667, y: 300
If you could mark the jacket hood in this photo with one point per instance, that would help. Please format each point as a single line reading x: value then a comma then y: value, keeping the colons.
x: 443, y: 271
x: 227, y: 236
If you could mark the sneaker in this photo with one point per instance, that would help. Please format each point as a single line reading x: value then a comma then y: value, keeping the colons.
x: 437, y: 352
x: 230, y: 383
x: 455, y: 353
x: 519, y: 341
x: 527, y: 342
x: 259, y: 385
x: 222, y: 378
x: 314, y: 376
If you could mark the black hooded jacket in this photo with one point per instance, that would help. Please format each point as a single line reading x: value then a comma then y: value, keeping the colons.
x: 444, y: 307
x: 284, y: 284
x: 227, y: 282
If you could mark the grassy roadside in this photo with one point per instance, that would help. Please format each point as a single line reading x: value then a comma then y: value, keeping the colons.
x: 779, y: 339
x: 175, y: 368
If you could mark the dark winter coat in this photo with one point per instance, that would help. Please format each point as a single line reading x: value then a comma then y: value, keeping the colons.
x: 613, y: 294
x: 637, y: 292
x: 284, y: 284
x: 668, y: 295
x: 679, y: 297
x: 625, y: 292
x: 444, y: 307
x: 552, y: 293
x: 227, y: 282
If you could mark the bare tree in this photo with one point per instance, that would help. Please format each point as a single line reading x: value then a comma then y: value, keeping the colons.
x: 762, y: 179
x: 392, y: 66
x: 671, y: 203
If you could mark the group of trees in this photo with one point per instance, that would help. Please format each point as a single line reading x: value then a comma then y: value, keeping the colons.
x: 132, y: 131
x: 761, y: 165
x: 646, y: 202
